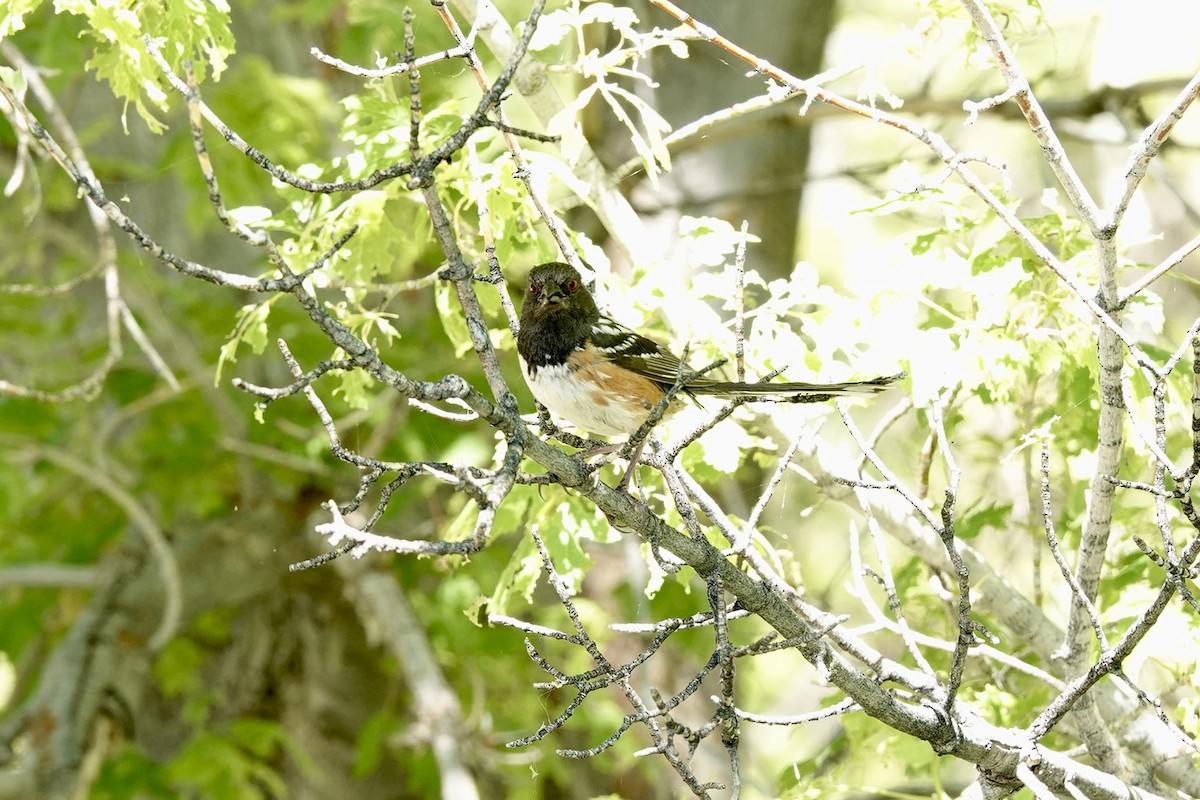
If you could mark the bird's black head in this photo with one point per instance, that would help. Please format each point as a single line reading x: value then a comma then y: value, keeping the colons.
x: 557, y: 314
x: 556, y: 289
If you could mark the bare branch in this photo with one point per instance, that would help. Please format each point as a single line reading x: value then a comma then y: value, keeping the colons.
x: 147, y: 526
x: 1147, y: 147
x: 1169, y: 263
x: 55, y: 575
x: 844, y: 707
x: 966, y: 629
x: 106, y: 256
x: 385, y: 70
x: 739, y: 292
x: 389, y: 618
x: 1052, y: 543
x: 1110, y: 660
x: 1018, y: 90
x: 888, y: 582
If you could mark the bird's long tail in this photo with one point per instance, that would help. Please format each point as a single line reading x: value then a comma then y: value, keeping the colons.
x: 792, y: 392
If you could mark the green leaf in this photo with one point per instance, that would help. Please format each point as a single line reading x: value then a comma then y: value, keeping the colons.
x: 369, y: 747
x: 13, y: 18
x: 563, y: 540
x: 260, y: 737
x: 976, y: 519
x: 552, y: 28
x: 14, y: 80
x: 251, y: 328
x: 130, y: 767
x: 619, y: 18
x: 564, y: 523
x: 646, y: 138
x: 518, y: 579
x: 177, y: 667
x: 996, y: 705
x: 191, y: 30
x: 250, y: 215
x: 725, y: 446
x: 354, y: 386
x: 453, y: 322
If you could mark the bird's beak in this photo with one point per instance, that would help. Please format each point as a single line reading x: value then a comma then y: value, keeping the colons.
x: 552, y: 295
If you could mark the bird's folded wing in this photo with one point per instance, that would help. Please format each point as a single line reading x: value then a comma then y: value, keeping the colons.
x: 629, y: 349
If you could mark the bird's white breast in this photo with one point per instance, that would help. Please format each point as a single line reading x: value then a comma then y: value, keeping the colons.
x: 581, y: 402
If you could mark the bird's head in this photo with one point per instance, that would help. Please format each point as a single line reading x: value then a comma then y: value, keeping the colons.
x: 555, y: 289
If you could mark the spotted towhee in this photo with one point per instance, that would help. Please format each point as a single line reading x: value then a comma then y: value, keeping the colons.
x: 605, y: 378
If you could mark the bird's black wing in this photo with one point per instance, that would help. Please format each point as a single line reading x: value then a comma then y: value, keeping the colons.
x: 627, y: 348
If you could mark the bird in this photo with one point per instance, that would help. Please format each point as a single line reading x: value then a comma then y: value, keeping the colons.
x: 606, y: 378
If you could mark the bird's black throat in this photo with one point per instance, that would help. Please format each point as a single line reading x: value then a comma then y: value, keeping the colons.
x: 549, y: 335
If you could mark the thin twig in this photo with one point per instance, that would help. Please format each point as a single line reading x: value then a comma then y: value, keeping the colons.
x: 1147, y: 147
x: 966, y: 629
x: 1169, y: 263
x: 739, y: 298
x: 385, y: 70
x: 1056, y: 552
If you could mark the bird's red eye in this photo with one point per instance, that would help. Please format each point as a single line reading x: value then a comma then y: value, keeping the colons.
x: 535, y: 289
x: 572, y: 285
